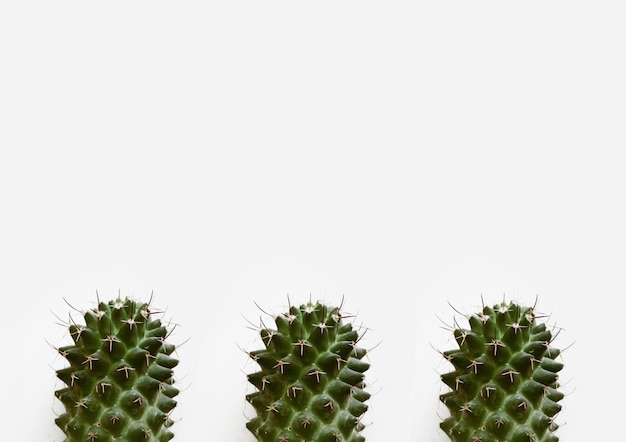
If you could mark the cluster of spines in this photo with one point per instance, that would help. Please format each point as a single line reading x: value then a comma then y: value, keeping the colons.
x: 119, y: 382
x: 311, y: 384
x: 504, y: 386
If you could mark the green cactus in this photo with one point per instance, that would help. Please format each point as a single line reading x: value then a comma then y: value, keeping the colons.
x: 311, y: 383
x: 119, y: 383
x: 504, y: 384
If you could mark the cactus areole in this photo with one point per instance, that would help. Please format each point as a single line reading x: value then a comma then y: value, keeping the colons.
x: 311, y: 383
x: 119, y: 383
x: 504, y: 384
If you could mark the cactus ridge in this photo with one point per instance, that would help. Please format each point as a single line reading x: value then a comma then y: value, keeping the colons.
x: 310, y: 386
x: 504, y: 386
x: 119, y: 382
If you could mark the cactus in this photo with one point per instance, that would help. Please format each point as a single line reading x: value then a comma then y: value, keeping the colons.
x: 119, y: 383
x: 504, y: 384
x: 311, y: 383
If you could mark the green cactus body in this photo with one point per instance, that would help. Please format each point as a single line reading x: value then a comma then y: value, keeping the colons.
x: 504, y: 383
x: 119, y: 384
x: 311, y: 383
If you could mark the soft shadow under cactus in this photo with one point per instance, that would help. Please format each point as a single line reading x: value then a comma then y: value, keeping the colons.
x: 504, y: 384
x: 119, y: 384
x: 311, y: 382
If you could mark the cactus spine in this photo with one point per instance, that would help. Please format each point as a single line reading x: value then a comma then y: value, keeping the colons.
x: 504, y: 384
x: 311, y: 383
x: 119, y: 383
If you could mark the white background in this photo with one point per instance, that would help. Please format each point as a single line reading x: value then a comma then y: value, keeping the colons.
x: 401, y: 154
